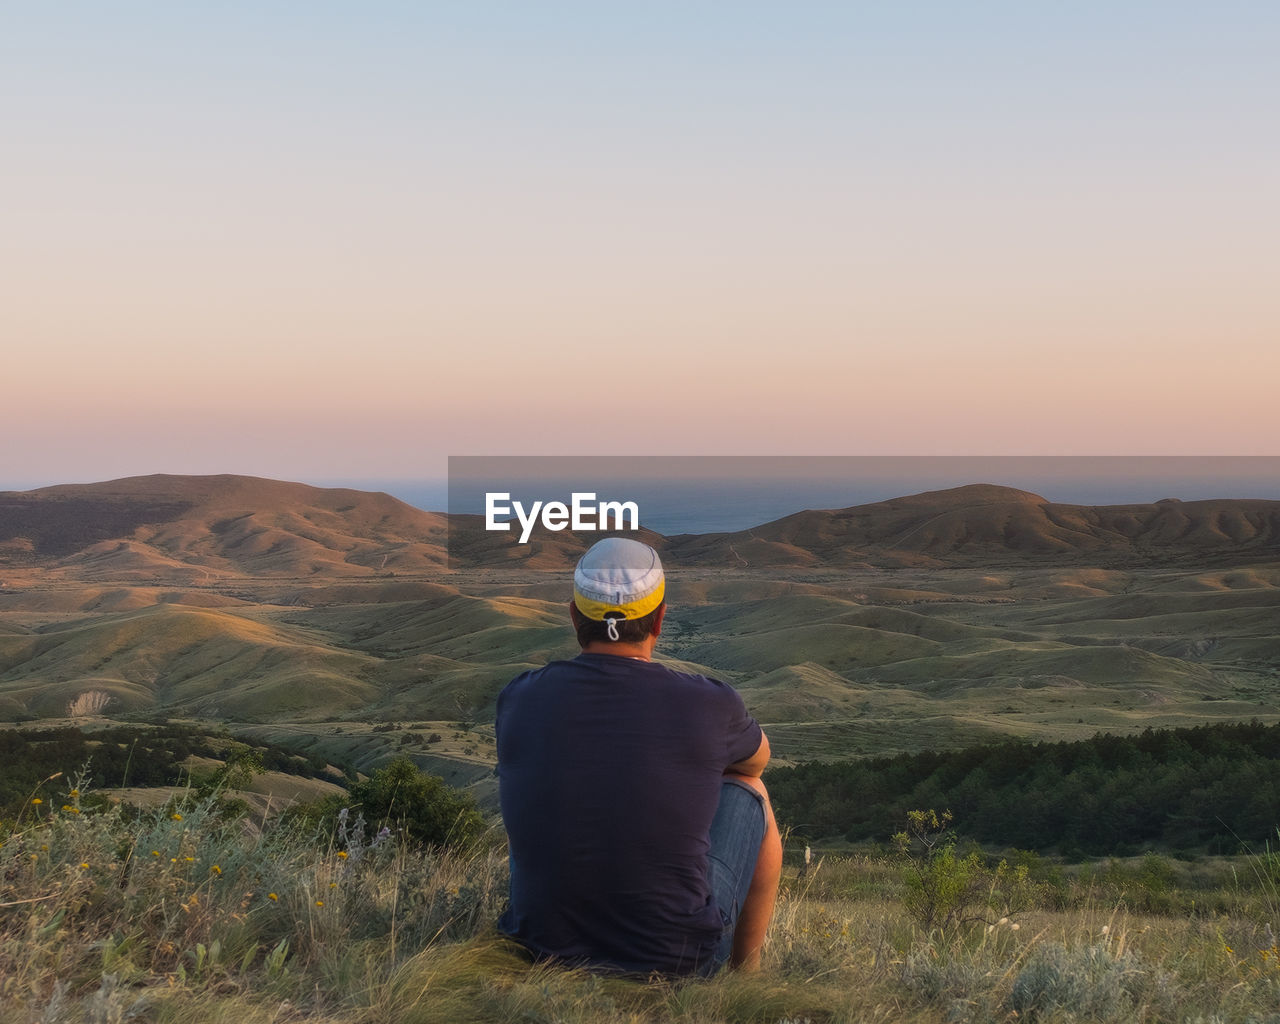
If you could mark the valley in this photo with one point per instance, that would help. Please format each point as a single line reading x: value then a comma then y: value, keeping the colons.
x: 318, y: 616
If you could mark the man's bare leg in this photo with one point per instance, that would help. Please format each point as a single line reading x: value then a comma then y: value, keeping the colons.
x: 757, y: 911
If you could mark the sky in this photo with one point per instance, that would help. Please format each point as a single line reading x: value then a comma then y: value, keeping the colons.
x: 332, y: 241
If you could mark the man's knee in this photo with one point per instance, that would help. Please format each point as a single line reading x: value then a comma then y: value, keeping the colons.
x: 757, y: 786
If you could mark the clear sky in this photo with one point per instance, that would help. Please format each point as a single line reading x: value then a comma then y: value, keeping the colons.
x: 322, y: 241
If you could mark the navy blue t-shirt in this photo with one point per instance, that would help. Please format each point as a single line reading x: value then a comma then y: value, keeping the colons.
x: 609, y: 774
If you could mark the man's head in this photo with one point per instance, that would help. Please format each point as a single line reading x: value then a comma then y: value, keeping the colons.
x: 618, y: 593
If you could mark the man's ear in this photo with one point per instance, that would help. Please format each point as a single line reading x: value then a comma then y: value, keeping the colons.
x: 575, y: 616
x: 657, y: 620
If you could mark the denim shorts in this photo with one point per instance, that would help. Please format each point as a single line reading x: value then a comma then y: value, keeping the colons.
x: 736, y: 834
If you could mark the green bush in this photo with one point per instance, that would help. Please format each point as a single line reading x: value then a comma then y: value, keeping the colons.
x: 941, y: 888
x: 938, y: 887
x: 418, y: 807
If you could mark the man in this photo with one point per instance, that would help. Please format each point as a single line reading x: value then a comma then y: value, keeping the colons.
x: 641, y: 836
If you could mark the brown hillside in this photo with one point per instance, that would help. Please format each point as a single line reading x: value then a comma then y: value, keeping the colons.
x: 180, y: 531
x: 178, y: 528
x: 966, y: 525
x: 182, y: 658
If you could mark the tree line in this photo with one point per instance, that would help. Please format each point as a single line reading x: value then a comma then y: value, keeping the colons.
x: 1210, y: 788
x: 119, y: 756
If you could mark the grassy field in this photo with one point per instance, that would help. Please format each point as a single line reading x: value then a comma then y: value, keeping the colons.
x: 833, y: 663
x: 179, y: 914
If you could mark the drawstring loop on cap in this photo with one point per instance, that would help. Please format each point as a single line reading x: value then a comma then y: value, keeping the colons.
x: 612, y: 623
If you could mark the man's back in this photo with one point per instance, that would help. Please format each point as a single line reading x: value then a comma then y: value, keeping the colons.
x: 610, y: 771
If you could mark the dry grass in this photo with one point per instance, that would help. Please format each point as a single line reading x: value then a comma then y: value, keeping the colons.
x: 182, y: 916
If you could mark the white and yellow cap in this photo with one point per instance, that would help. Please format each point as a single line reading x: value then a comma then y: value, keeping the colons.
x: 618, y: 578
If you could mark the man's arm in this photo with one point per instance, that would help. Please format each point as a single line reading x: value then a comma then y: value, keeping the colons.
x: 752, y: 766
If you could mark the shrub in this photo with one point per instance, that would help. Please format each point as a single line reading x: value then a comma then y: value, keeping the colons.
x: 938, y: 887
x: 941, y: 888
x: 1093, y: 982
x: 422, y: 808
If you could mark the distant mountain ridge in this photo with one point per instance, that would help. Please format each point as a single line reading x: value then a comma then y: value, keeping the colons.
x: 165, y: 528
x: 161, y: 526
x: 964, y: 525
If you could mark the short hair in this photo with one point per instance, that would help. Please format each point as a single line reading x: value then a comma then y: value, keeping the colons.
x: 631, y: 631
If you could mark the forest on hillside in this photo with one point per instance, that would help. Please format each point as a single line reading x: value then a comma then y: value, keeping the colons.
x: 124, y: 755
x: 1207, y: 789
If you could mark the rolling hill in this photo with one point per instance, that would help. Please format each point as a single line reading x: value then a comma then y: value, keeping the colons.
x: 427, y: 658
x: 933, y: 619
x: 986, y: 524
x: 193, y: 529
x: 202, y: 528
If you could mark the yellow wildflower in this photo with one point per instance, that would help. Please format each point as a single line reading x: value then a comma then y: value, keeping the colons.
x: 176, y: 816
x: 216, y: 870
x: 85, y: 865
x: 319, y: 903
x: 36, y: 800
x: 155, y: 853
x: 75, y: 792
x: 272, y: 897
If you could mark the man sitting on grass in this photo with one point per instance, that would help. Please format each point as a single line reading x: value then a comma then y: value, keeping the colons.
x: 641, y: 836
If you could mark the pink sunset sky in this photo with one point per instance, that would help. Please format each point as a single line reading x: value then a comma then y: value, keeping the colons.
x: 315, y: 244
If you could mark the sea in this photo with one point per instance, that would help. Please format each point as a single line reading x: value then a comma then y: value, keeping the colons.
x: 694, y: 494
